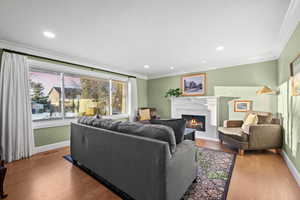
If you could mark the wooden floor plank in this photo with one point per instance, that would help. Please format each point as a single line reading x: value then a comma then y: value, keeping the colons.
x: 258, y: 175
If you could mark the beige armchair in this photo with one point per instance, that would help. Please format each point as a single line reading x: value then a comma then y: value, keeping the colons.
x: 267, y: 134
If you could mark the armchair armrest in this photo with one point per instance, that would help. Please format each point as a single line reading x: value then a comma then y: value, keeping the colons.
x: 233, y: 123
x: 265, y: 136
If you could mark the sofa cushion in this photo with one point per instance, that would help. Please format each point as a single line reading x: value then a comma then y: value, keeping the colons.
x: 159, y: 132
x: 178, y: 126
x: 236, y: 133
x: 90, y: 120
x: 101, y: 123
x: 85, y: 120
x: 108, y: 124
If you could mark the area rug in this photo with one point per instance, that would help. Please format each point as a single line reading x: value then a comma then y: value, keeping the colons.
x: 214, y: 174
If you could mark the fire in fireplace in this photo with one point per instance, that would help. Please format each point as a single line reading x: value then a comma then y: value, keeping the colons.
x: 195, y: 121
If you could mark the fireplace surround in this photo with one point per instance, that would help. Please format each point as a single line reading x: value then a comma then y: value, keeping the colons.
x: 205, y: 106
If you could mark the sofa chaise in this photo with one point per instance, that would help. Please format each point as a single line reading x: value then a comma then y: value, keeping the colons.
x: 144, y: 168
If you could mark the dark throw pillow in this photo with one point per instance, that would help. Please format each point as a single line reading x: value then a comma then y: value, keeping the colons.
x: 158, y: 132
x: 178, y: 126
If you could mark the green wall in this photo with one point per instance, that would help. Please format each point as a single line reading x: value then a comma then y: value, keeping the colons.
x: 255, y: 75
x: 44, y: 136
x: 288, y: 106
x: 142, y: 90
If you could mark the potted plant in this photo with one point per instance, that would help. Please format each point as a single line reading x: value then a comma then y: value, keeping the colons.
x: 173, y: 93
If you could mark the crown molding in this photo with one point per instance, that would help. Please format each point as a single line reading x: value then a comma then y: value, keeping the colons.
x: 216, y: 66
x: 4, y: 44
x: 288, y: 26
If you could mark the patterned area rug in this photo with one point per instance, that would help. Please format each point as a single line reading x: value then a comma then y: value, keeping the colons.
x: 214, y: 173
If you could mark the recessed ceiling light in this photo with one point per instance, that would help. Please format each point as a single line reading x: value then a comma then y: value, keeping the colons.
x: 146, y: 66
x: 203, y: 61
x: 49, y: 34
x: 220, y: 48
x: 172, y: 68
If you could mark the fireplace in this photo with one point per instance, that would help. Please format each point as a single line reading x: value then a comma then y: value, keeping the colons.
x: 195, y: 121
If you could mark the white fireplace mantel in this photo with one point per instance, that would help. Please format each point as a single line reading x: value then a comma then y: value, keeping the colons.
x: 200, y: 105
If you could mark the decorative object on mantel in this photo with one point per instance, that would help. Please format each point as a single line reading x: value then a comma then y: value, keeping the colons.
x: 173, y: 93
x: 242, y: 105
x: 295, y: 76
x: 266, y: 90
x: 193, y: 85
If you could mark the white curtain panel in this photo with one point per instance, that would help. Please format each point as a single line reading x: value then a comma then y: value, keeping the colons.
x: 133, y: 99
x: 15, y: 108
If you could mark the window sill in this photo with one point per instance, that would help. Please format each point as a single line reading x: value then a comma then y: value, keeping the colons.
x: 66, y: 122
x: 120, y: 116
x: 52, y: 123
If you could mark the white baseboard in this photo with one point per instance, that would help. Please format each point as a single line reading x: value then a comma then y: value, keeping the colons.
x: 208, y: 138
x: 51, y: 146
x: 291, y: 167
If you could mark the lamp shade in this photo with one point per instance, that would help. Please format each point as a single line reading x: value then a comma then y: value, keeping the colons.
x: 265, y: 90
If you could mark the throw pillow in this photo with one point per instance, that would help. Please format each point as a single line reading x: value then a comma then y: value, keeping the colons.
x: 144, y: 114
x: 251, y: 119
x: 264, y: 119
x: 178, y: 126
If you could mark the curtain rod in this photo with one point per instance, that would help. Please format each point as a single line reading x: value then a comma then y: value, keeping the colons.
x: 64, y: 62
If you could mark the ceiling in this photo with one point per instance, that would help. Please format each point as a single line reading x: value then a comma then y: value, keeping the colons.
x: 126, y: 35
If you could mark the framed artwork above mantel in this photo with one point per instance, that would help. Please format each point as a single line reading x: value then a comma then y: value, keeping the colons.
x: 295, y: 76
x: 193, y: 85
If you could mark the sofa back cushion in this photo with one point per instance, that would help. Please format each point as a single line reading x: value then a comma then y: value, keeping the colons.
x: 159, y: 132
x: 178, y: 126
x: 108, y: 124
x: 86, y: 120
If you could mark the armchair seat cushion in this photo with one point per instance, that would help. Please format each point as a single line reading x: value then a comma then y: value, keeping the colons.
x: 235, y: 133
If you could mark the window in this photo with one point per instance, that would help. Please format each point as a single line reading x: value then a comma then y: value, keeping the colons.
x: 119, y: 93
x: 86, y: 96
x: 45, y: 101
x: 81, y: 95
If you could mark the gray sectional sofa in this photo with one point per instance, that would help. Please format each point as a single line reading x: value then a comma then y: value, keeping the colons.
x: 137, y: 162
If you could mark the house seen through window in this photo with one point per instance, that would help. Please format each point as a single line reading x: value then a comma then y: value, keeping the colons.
x: 57, y: 95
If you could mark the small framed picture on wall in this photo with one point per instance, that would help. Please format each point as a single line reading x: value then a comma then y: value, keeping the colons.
x: 193, y: 85
x: 242, y: 105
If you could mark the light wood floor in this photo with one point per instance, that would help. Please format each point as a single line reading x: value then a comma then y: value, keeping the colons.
x: 47, y: 176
